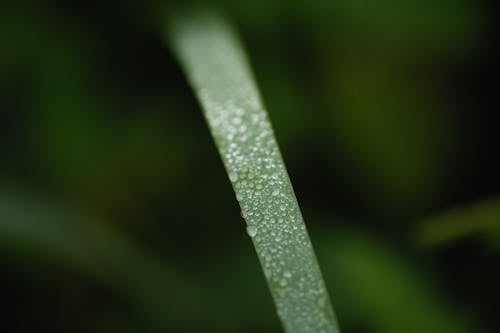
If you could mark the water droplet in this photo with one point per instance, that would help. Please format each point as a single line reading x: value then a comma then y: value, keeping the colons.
x: 233, y: 176
x: 275, y: 193
x: 283, y: 282
x: 251, y: 231
x: 287, y: 274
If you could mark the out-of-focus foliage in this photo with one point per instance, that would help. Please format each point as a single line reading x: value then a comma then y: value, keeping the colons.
x: 481, y: 220
x: 383, y: 113
x: 379, y: 290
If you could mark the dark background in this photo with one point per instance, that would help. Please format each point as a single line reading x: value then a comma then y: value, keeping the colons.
x: 116, y: 213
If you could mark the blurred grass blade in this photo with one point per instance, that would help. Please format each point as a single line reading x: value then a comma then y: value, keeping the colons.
x: 217, y: 69
x: 480, y: 219
x: 164, y: 297
x: 397, y: 295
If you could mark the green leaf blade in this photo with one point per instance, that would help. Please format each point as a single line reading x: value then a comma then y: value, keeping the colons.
x: 219, y: 73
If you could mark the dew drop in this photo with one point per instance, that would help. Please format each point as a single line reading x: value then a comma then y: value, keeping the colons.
x: 251, y: 231
x: 233, y: 176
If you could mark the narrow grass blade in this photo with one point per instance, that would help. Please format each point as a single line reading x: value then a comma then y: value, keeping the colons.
x: 166, y: 298
x: 217, y: 69
x: 480, y: 219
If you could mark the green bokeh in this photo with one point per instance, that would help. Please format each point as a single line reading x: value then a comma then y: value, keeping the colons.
x: 130, y: 224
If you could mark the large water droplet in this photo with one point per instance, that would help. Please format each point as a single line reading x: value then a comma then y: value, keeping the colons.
x: 251, y: 231
x: 233, y: 176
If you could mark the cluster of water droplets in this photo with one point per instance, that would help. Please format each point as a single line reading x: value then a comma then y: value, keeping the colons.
x: 274, y: 222
x: 239, y: 124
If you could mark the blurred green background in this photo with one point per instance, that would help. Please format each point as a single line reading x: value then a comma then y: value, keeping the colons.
x: 116, y: 214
